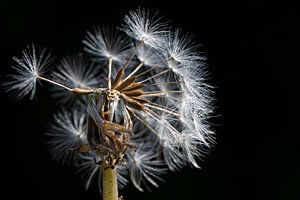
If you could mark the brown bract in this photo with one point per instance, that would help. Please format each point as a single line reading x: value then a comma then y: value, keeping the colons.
x: 130, y: 90
x: 111, y: 140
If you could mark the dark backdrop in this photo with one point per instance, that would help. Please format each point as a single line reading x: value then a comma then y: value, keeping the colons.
x: 252, y: 49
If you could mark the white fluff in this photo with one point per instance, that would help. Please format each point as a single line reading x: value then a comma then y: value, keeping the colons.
x: 22, y: 82
x: 182, y: 48
x: 144, y: 165
x: 106, y: 42
x: 140, y: 26
x: 148, y: 55
x: 74, y: 72
x: 67, y: 130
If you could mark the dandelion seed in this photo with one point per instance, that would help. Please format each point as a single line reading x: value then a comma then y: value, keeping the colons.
x: 182, y: 48
x: 33, y: 63
x: 145, y: 165
x: 149, y: 56
x: 67, y: 131
x: 140, y: 26
x: 106, y: 42
x: 74, y: 72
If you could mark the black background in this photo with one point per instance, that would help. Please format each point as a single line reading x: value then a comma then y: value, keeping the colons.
x: 252, y: 50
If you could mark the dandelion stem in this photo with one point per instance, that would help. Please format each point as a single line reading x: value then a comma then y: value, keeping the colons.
x: 109, y: 180
x: 142, y: 120
x: 74, y: 90
x: 109, y: 72
x: 54, y: 83
x: 156, y: 117
x: 164, y: 83
x: 154, y: 76
x: 133, y: 54
x: 160, y: 93
x: 162, y: 108
x: 83, y: 90
x: 134, y: 71
x: 110, y: 186
x: 151, y: 68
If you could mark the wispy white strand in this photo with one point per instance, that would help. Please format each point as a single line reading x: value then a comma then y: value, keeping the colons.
x: 140, y: 26
x: 88, y: 169
x: 33, y: 63
x: 191, y: 147
x: 173, y: 156
x: 182, y: 51
x: 75, y: 72
x: 149, y: 56
x: 66, y: 131
x: 122, y: 173
x: 106, y: 42
x: 145, y: 166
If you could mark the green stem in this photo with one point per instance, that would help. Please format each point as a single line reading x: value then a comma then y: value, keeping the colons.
x: 110, y: 185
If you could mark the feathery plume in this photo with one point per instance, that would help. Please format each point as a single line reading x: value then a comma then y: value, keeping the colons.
x: 22, y: 82
x: 140, y: 26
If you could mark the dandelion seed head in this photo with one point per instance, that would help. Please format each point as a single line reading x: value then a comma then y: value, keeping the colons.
x: 144, y: 106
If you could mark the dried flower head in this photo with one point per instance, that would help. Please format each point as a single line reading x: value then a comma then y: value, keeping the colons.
x: 147, y: 112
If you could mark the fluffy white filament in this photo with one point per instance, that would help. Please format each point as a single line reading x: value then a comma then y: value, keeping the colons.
x: 142, y: 27
x: 106, y: 42
x: 74, y: 72
x: 67, y: 130
x: 33, y: 63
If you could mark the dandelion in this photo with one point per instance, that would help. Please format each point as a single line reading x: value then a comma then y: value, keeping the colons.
x: 145, y: 104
